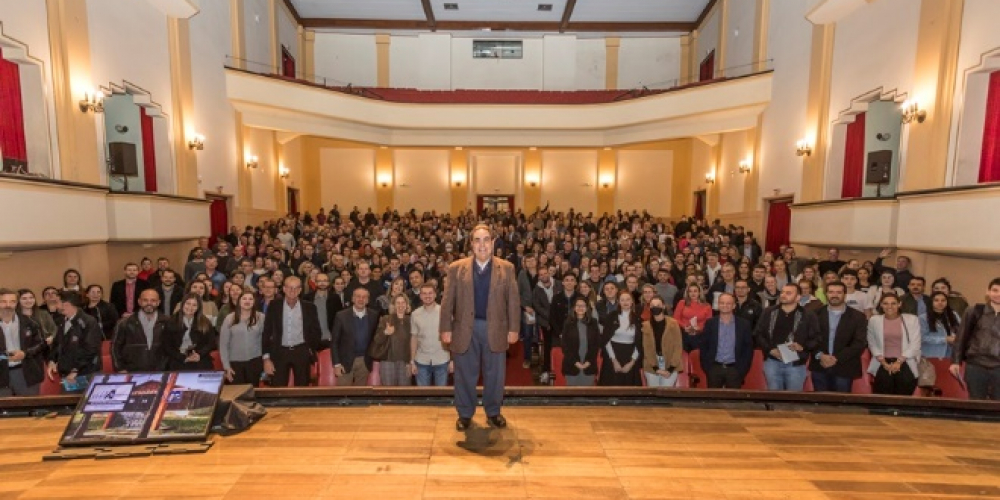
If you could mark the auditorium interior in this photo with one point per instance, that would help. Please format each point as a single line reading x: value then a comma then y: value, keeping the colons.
x: 148, y: 129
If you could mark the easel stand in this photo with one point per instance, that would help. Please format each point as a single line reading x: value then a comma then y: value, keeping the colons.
x: 128, y: 451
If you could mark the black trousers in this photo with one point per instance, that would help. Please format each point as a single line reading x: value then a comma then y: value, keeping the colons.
x: 901, y: 383
x: 723, y: 376
x: 248, y: 372
x: 547, y: 344
x: 298, y: 359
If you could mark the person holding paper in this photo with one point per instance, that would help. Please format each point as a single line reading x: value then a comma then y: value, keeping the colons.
x: 787, y: 333
x: 691, y: 313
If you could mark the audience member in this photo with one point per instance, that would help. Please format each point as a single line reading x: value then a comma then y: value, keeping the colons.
x: 726, y: 347
x: 978, y: 346
x: 76, y: 346
x: 27, y: 306
x: 391, y: 345
x: 23, y: 344
x: 240, y: 341
x: 581, y: 342
x: 842, y: 340
x: 125, y: 292
x: 430, y: 362
x: 291, y: 337
x: 353, y: 331
x: 787, y: 333
x: 137, y: 340
x: 662, y: 346
x: 621, y: 345
x: 894, y: 341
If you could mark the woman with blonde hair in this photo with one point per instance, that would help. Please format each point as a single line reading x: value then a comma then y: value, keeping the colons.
x: 391, y: 345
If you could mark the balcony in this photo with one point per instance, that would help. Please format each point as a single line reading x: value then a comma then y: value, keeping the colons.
x: 42, y: 214
x: 951, y: 221
x: 364, y: 115
x: 854, y: 223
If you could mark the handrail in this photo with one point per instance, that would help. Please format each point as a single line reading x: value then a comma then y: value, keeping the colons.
x: 726, y: 74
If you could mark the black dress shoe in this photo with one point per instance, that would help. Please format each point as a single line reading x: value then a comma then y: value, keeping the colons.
x: 463, y: 424
x: 497, y: 421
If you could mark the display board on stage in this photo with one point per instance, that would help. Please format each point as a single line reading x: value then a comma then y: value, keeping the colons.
x: 145, y: 408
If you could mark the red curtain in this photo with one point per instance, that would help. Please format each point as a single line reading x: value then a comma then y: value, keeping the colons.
x: 218, y: 216
x: 989, y: 163
x: 148, y: 151
x: 779, y: 221
x: 12, y: 143
x: 699, y: 205
x: 293, y: 201
x: 854, y: 158
x: 287, y: 63
x: 707, y: 69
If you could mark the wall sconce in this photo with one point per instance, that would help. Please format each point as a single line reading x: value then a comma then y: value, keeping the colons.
x: 251, y: 161
x: 911, y: 111
x: 710, y: 178
x: 803, y: 148
x: 384, y: 180
x: 532, y: 180
x: 197, y: 142
x: 92, y: 101
x: 283, y: 172
x: 458, y: 180
x: 744, y: 166
x: 606, y: 181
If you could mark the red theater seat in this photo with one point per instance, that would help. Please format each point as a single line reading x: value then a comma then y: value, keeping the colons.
x: 373, y: 377
x: 755, y: 377
x: 326, y: 377
x: 51, y: 387
x: 106, y: 365
x: 682, y: 378
x: 863, y: 385
x: 216, y: 360
x: 950, y: 386
x: 695, y: 373
x: 557, y: 361
x: 106, y: 348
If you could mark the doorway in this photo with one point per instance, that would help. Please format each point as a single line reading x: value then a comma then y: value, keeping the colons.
x: 699, y: 205
x: 293, y: 201
x: 287, y: 63
x: 218, y: 216
x: 706, y: 71
x: 494, y: 203
x: 779, y: 224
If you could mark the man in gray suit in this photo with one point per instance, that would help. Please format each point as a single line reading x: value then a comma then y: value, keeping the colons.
x: 480, y: 317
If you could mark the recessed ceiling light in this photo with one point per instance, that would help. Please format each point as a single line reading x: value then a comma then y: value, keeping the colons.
x: 451, y: 6
x: 545, y: 7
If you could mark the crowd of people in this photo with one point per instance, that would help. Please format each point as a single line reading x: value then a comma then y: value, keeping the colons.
x: 620, y: 297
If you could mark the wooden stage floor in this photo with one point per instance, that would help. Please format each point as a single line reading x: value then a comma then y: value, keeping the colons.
x: 395, y: 452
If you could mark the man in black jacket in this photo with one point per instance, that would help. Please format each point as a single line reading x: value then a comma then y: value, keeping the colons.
x: 136, y: 343
x: 843, y: 333
x: 125, y: 292
x: 22, y: 371
x: 726, y: 347
x: 291, y: 336
x: 746, y: 306
x: 787, y: 334
x: 76, y: 346
x: 169, y: 292
x: 353, y: 331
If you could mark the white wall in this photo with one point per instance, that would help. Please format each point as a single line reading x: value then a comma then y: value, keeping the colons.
x: 434, y: 58
x: 257, y: 32
x: 559, y: 62
x: 422, y: 180
x: 653, y: 62
x: 346, y: 59
x: 495, y: 173
x: 404, y: 61
x: 591, y: 63
x: 569, y: 180
x: 741, y: 33
x: 348, y: 178
x: 979, y: 36
x: 288, y: 35
x: 212, y: 115
x: 644, y: 181
x: 784, y: 120
x: 469, y: 73
x: 874, y: 47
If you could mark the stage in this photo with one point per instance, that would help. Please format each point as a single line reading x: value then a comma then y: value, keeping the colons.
x: 409, y: 451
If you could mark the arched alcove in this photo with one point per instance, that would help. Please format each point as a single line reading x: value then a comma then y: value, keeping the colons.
x: 27, y: 91
x: 135, y: 126
x: 883, y: 131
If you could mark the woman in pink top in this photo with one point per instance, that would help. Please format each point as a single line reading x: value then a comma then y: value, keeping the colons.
x: 691, y: 313
x: 894, y: 341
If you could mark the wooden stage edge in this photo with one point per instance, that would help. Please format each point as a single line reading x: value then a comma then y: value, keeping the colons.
x: 589, y: 396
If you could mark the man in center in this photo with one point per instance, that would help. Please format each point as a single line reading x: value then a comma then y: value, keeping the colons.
x: 480, y: 317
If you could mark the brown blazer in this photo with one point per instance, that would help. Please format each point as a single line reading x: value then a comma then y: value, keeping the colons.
x: 671, y: 346
x: 458, y: 308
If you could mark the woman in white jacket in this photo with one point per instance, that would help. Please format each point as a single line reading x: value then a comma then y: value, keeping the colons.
x: 894, y: 341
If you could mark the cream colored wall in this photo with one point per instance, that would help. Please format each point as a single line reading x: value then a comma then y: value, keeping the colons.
x: 644, y: 181
x: 261, y: 143
x: 495, y: 172
x: 569, y: 180
x: 348, y: 177
x: 421, y: 180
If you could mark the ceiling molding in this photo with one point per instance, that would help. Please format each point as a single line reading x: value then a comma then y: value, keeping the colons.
x: 567, y: 14
x: 331, y: 23
x: 295, y: 13
x: 429, y: 13
x: 704, y: 14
